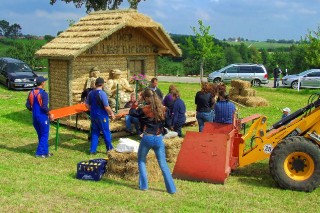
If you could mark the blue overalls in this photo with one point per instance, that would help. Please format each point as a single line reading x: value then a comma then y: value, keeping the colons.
x: 99, y: 121
x: 41, y: 123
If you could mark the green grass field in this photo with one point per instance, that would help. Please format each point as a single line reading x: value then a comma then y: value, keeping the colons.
x: 262, y: 44
x: 30, y: 184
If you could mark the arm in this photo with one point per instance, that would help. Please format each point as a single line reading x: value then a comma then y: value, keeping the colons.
x: 104, y: 99
x: 110, y: 112
x: 175, y: 113
x: 28, y: 104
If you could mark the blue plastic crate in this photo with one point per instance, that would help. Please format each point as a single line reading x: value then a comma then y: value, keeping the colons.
x: 92, y: 169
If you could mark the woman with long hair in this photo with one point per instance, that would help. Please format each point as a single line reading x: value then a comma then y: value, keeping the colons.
x: 204, y: 101
x: 153, y: 116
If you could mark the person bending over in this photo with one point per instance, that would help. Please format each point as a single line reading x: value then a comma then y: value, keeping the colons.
x: 224, y: 109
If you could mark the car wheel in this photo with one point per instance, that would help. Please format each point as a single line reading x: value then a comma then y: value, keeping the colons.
x: 255, y: 83
x: 216, y: 80
x: 294, y: 85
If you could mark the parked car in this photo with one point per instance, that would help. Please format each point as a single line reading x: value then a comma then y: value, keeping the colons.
x: 255, y: 73
x: 308, y: 79
x: 16, y: 74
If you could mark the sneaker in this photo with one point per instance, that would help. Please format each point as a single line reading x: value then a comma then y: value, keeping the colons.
x: 92, y: 153
x: 44, y: 156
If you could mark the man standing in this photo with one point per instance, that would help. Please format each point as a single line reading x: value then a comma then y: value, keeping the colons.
x: 97, y: 103
x: 276, y: 76
x: 154, y: 88
x: 37, y: 102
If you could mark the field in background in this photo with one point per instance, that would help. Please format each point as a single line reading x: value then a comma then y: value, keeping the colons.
x: 29, y: 184
x: 262, y: 44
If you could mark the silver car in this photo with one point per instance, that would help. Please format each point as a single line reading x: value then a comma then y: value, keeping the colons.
x: 308, y: 79
x: 255, y: 73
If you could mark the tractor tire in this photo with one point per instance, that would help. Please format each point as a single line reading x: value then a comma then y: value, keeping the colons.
x: 295, y: 164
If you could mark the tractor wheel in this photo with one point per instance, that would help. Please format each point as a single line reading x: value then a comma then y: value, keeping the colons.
x: 295, y: 164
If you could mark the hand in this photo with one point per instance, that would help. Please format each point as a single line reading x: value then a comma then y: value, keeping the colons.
x: 51, y: 117
x: 113, y: 116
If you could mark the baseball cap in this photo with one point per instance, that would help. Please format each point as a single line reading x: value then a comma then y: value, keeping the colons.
x: 286, y: 110
x: 40, y: 79
x: 99, y: 80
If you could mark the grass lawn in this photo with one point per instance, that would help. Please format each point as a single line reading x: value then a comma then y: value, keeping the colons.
x: 29, y: 184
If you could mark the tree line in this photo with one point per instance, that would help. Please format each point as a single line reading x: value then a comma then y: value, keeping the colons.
x: 296, y: 58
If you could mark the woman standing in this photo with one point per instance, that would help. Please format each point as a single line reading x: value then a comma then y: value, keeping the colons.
x: 204, y: 101
x: 153, y: 116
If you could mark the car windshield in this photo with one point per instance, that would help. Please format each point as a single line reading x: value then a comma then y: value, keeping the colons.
x: 18, y: 67
x: 303, y: 73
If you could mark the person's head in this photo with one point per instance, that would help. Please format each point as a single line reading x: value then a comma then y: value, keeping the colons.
x: 133, y: 97
x: 95, y: 72
x: 40, y: 81
x: 116, y: 73
x: 223, y: 96
x: 171, y: 88
x: 154, y: 82
x: 205, y: 87
x: 99, y: 82
x: 286, y: 111
x: 175, y: 94
x: 152, y: 99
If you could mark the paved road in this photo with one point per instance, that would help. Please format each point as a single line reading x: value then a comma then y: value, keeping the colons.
x: 197, y: 80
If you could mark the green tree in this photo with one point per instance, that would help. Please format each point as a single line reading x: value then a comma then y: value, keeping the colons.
x: 15, y: 30
x: 24, y: 52
x: 203, y: 48
x: 254, y: 55
x: 4, y: 27
x: 232, y: 55
x: 243, y: 50
x: 312, y: 42
x: 96, y: 5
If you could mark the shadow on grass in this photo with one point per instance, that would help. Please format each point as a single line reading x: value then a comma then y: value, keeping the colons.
x: 29, y: 149
x: 256, y: 174
x: 22, y: 116
x: 71, y: 141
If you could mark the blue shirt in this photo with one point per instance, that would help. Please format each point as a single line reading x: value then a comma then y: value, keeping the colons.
x: 98, y: 100
x: 179, y: 112
x: 224, y: 111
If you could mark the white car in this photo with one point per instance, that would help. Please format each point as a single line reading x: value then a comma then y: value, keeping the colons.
x: 308, y: 79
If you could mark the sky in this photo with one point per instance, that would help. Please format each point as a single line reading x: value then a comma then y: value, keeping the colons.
x: 250, y: 19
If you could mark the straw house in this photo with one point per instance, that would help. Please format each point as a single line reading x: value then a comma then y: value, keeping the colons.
x: 120, y: 39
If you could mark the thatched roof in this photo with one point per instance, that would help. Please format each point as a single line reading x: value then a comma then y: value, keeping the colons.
x: 97, y: 26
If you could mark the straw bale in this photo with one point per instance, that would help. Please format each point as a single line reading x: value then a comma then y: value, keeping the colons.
x: 256, y: 102
x: 125, y: 166
x: 191, y: 114
x: 240, y: 99
x: 173, y: 146
x: 234, y: 91
x: 239, y: 84
x: 248, y: 92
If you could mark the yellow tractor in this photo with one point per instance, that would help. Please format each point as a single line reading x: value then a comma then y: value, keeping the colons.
x: 292, y: 146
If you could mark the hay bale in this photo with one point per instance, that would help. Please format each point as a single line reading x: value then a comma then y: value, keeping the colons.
x: 240, y: 99
x: 239, y: 84
x: 173, y: 146
x: 125, y: 166
x: 234, y: 91
x: 247, y: 92
x: 256, y: 102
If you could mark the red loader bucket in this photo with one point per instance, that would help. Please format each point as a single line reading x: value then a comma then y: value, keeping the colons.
x: 206, y: 156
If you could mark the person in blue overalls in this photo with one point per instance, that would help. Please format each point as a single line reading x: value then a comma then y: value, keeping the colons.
x: 97, y: 103
x: 37, y: 102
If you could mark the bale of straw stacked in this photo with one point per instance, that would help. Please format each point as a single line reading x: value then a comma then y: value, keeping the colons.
x: 241, y: 92
x: 173, y: 146
x: 125, y: 166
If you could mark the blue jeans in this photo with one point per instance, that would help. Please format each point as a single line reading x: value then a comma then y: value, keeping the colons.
x: 129, y: 120
x: 204, y: 117
x: 156, y: 143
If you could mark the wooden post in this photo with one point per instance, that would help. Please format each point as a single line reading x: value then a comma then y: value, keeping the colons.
x: 117, y: 98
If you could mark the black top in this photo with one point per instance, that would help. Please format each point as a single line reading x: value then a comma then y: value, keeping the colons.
x: 151, y: 126
x: 204, y: 101
x: 158, y: 92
